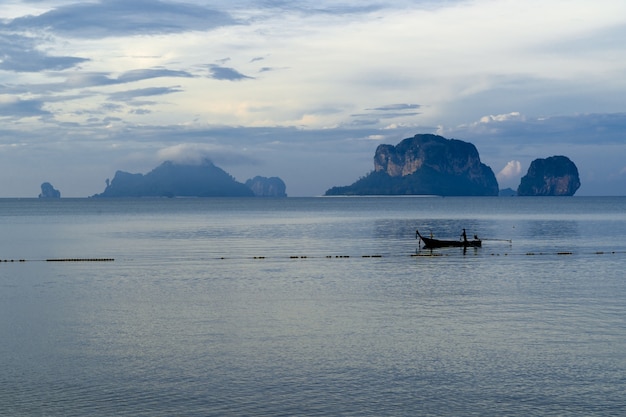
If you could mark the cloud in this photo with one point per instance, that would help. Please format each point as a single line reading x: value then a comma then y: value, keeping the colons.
x: 385, y: 115
x: 143, y: 92
x: 196, y: 153
x: 397, y: 107
x: 225, y: 73
x: 387, y: 111
x: 191, y: 153
x: 20, y: 54
x: 512, y: 170
x: 82, y: 80
x: 320, y: 8
x: 597, y: 128
x: 513, y: 116
x: 22, y: 39
x: 12, y: 107
x: 146, y: 74
x: 140, y: 111
x: 114, y: 18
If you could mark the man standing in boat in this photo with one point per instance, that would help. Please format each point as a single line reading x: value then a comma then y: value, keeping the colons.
x: 464, y: 236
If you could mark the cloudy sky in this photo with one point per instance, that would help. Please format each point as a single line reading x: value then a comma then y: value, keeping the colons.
x: 306, y: 90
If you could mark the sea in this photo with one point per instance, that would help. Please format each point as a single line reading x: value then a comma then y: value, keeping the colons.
x: 312, y: 307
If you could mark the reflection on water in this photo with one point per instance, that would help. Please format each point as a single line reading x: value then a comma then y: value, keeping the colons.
x: 554, y: 229
x: 204, y: 312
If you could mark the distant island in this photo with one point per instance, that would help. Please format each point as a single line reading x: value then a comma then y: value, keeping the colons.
x: 425, y: 165
x: 553, y: 176
x: 48, y: 191
x: 267, y: 187
x: 172, y: 179
x: 507, y: 192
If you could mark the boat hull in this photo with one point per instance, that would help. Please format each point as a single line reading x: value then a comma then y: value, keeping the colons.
x: 436, y: 243
x: 430, y: 243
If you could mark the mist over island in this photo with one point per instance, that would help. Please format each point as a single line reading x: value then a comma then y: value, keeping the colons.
x: 204, y: 179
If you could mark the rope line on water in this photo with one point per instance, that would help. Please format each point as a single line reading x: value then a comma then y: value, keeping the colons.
x: 417, y: 254
x: 60, y: 260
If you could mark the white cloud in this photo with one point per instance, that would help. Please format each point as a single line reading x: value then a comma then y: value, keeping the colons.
x: 511, y: 171
x: 196, y: 153
x: 513, y: 116
x: 188, y: 153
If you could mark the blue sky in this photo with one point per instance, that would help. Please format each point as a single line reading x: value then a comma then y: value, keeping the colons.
x: 306, y: 90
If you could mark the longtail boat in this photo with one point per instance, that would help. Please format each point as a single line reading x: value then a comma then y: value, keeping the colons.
x: 463, y: 242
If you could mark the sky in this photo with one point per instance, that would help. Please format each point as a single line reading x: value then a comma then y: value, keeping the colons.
x: 306, y: 90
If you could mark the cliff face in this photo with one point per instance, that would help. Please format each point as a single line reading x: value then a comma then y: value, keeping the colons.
x: 173, y: 180
x: 426, y: 164
x: 553, y: 176
x: 267, y: 187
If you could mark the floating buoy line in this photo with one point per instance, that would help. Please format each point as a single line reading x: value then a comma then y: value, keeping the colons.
x: 417, y: 254
x: 81, y: 260
x: 60, y: 260
x: 422, y: 253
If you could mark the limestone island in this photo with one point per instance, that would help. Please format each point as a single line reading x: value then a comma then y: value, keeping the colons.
x: 172, y: 179
x: 267, y: 187
x: 48, y: 191
x: 553, y: 176
x: 425, y: 165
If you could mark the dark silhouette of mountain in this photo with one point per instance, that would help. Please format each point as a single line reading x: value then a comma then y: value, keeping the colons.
x: 48, y: 191
x: 425, y: 165
x: 267, y: 187
x: 553, y: 176
x: 177, y: 180
x: 507, y: 192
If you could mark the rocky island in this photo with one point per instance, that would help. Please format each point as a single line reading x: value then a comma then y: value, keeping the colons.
x: 553, y: 176
x: 267, y: 187
x: 48, y: 191
x: 177, y: 180
x: 425, y: 165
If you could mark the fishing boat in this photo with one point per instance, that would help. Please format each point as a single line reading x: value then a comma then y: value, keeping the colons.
x: 463, y: 242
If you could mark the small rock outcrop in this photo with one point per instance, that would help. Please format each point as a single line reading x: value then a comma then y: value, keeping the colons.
x: 425, y: 165
x: 267, y: 187
x: 48, y: 191
x: 507, y: 192
x: 176, y: 180
x: 553, y: 176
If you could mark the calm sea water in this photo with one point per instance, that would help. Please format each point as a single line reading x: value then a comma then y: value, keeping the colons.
x: 312, y: 306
